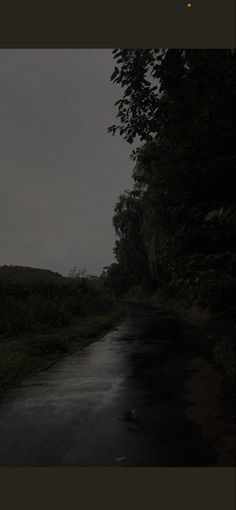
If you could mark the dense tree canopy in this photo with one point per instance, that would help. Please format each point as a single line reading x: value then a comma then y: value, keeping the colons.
x: 177, y: 226
x: 176, y: 94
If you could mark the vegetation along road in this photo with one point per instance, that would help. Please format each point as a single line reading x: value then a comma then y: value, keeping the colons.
x: 140, y: 396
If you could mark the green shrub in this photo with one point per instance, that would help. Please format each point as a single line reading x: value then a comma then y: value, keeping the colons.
x: 32, y: 299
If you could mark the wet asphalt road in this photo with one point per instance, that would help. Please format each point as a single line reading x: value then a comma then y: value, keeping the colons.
x: 119, y: 402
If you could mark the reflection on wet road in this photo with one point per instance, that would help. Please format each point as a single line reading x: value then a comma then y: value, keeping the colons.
x: 119, y: 402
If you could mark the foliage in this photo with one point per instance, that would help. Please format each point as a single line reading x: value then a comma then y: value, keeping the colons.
x: 115, y: 278
x: 173, y: 94
x: 30, y: 352
x: 77, y: 273
x: 177, y: 227
x: 34, y: 300
x: 44, y: 315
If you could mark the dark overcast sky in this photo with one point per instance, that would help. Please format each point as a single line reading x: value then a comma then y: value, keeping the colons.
x: 61, y: 173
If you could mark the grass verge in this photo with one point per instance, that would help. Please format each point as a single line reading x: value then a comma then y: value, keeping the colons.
x: 216, y: 334
x: 21, y: 357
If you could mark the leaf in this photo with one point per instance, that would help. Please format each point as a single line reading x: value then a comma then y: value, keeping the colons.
x: 211, y: 215
x: 115, y: 73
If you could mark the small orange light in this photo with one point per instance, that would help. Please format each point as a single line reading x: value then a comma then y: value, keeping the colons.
x: 189, y: 5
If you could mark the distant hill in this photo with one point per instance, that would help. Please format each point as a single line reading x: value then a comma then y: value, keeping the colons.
x: 22, y: 274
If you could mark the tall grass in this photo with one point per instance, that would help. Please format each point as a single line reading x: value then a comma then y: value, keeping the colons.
x: 33, y: 304
x: 44, y: 315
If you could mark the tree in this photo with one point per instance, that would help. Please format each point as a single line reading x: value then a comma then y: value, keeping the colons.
x: 77, y: 273
x: 179, y: 103
x: 175, y: 95
x: 130, y: 250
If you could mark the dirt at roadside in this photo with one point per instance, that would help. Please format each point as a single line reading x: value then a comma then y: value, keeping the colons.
x: 204, y: 392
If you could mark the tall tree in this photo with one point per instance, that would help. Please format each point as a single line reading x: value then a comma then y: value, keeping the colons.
x: 179, y: 103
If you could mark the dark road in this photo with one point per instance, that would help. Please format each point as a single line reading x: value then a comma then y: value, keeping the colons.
x: 129, y: 399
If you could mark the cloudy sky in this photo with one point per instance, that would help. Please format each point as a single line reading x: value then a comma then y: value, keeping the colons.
x: 61, y: 173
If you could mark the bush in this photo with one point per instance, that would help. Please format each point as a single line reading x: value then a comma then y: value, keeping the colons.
x: 30, y: 302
